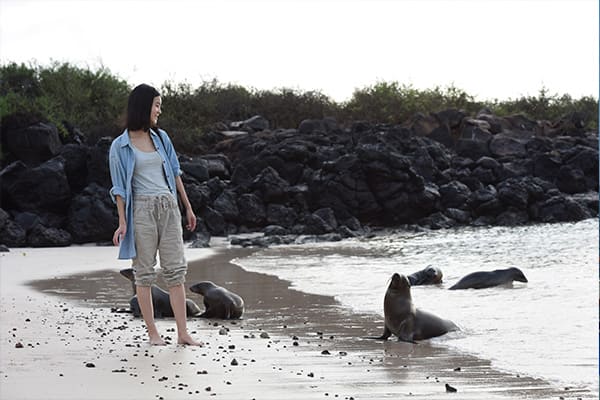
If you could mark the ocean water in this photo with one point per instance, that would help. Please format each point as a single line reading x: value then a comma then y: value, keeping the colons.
x: 546, y: 328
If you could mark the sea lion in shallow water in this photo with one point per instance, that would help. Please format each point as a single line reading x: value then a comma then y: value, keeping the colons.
x: 219, y: 302
x: 427, y: 276
x: 161, y: 301
x: 405, y: 320
x: 486, y: 279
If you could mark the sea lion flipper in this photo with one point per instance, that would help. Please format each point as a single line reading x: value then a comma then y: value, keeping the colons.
x: 386, y: 334
x: 406, y: 330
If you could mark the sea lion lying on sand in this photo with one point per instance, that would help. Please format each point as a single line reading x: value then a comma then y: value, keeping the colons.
x: 406, y: 321
x: 427, y: 276
x: 486, y: 279
x: 218, y: 301
x: 161, y: 301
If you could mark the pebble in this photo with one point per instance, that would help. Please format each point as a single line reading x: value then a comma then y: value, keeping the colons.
x: 264, y: 335
x: 450, y: 389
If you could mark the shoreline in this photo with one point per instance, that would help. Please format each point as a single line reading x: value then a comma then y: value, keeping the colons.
x: 70, y: 325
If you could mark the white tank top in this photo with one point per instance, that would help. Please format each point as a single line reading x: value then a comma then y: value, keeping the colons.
x: 148, y: 175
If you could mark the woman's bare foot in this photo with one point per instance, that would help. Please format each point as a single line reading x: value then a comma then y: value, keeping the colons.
x: 187, y: 339
x: 157, y: 341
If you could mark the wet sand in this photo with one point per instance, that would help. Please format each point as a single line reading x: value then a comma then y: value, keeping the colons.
x: 61, y: 340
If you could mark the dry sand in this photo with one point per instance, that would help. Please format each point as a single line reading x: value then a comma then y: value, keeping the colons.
x: 59, y: 339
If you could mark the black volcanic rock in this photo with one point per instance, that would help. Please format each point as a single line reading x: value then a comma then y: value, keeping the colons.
x: 92, y: 216
x: 33, y: 144
x: 44, y: 187
x: 324, y: 180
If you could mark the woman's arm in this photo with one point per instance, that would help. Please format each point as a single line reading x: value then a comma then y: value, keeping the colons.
x: 122, y: 229
x: 189, y: 213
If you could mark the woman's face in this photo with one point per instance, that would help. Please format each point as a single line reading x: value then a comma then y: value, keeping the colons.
x: 155, y: 111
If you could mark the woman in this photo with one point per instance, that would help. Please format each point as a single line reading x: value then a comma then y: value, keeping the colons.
x: 146, y: 179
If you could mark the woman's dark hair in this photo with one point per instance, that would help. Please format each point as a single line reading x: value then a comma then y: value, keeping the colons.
x: 139, y: 107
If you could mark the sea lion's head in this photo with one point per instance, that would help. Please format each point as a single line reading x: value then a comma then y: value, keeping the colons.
x: 202, y: 287
x: 128, y: 273
x: 518, y: 275
x: 399, y: 285
x: 434, y: 274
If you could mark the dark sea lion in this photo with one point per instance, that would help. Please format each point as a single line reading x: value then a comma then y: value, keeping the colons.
x: 486, y: 279
x: 219, y: 302
x: 427, y: 276
x: 406, y: 321
x: 161, y: 301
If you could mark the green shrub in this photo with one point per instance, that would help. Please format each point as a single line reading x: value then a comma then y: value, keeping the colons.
x: 550, y: 107
x: 393, y: 103
x: 95, y: 102
x: 91, y: 100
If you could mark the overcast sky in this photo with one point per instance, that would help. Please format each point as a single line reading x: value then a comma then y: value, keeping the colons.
x: 491, y: 49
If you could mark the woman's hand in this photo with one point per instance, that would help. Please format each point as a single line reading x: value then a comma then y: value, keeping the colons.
x: 119, y: 234
x: 191, y: 219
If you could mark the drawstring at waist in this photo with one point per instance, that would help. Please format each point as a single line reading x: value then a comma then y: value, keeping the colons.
x: 162, y: 201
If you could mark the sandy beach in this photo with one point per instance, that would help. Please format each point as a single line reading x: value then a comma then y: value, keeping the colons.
x: 61, y: 339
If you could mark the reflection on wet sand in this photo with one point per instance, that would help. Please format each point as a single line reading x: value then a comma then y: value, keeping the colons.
x: 319, y: 323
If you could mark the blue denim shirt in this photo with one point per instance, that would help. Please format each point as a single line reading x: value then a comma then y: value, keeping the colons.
x: 122, y: 161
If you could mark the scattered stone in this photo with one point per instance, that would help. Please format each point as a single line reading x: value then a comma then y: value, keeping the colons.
x: 457, y: 369
x: 325, y: 352
x: 264, y: 335
x: 90, y: 365
x: 19, y: 345
x: 234, y: 362
x: 450, y: 389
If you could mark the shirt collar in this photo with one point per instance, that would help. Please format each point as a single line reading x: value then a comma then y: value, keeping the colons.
x: 127, y: 141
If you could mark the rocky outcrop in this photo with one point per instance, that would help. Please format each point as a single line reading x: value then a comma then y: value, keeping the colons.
x: 324, y: 180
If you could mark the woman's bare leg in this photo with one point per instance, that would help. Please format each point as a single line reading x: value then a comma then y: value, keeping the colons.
x: 144, y: 295
x: 177, y: 294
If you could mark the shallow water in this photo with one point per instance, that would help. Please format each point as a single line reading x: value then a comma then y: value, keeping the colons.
x: 545, y: 328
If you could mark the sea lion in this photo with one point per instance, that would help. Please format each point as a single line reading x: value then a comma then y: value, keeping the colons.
x: 405, y: 320
x: 427, y: 276
x: 161, y: 301
x: 218, y: 301
x: 486, y: 279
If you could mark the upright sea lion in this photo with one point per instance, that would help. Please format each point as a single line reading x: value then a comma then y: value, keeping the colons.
x: 427, y: 276
x: 219, y: 302
x: 486, y: 279
x: 161, y: 301
x: 406, y: 321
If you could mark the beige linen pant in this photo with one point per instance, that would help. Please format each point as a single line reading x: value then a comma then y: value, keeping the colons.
x: 157, y: 226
